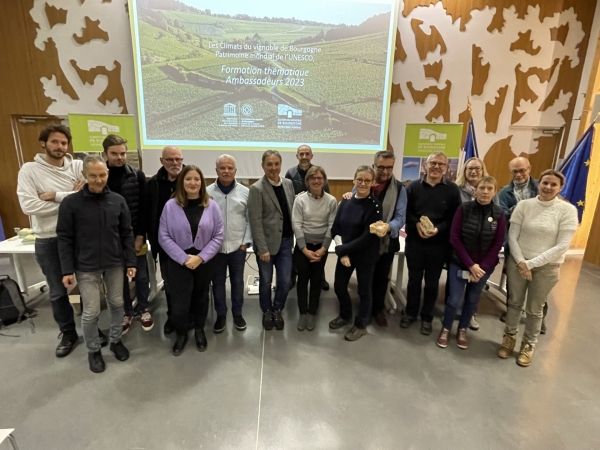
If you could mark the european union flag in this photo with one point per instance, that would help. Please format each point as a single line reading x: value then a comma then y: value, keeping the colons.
x: 471, y: 150
x: 575, y: 168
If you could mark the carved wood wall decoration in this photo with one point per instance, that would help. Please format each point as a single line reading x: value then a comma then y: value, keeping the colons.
x: 566, y: 74
x: 522, y: 89
x: 493, y: 110
x: 114, y: 90
x: 497, y: 158
x: 464, y: 118
x: 90, y: 32
x: 433, y: 70
x: 427, y: 43
x: 397, y: 93
x: 479, y: 70
x: 400, y: 53
x: 560, y: 33
x: 442, y: 106
x: 51, y: 53
x: 55, y: 15
x: 525, y: 43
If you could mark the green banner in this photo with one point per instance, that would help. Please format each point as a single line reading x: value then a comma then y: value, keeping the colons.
x: 89, y: 130
x: 421, y: 140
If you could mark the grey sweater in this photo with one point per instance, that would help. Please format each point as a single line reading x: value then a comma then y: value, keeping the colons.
x: 313, y: 218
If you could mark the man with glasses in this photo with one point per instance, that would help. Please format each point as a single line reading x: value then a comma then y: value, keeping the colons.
x: 297, y: 174
x: 521, y: 187
x: 428, y: 250
x: 160, y: 188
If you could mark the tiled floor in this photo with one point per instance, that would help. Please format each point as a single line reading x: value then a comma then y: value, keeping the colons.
x: 393, y: 389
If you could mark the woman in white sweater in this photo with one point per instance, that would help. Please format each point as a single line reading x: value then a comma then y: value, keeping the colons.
x: 312, y: 219
x: 541, y: 230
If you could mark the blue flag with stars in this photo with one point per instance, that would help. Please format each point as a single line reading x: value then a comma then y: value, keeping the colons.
x: 471, y: 150
x: 575, y: 168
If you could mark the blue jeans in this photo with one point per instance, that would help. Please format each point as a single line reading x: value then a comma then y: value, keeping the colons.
x: 282, y: 261
x: 459, y: 289
x: 46, y: 254
x: 142, y: 287
x: 89, y: 286
x: 235, y: 262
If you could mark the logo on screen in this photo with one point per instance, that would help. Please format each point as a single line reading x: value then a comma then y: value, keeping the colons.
x: 288, y: 111
x: 431, y: 136
x: 229, y: 109
x: 95, y: 126
x: 247, y: 109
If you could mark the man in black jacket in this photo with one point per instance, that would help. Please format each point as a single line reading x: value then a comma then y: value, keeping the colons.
x: 131, y: 183
x: 95, y: 243
x: 160, y: 189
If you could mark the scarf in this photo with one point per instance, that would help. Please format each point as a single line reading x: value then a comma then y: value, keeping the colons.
x: 389, y: 207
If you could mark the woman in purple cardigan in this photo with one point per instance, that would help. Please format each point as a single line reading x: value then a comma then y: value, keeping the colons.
x: 190, y: 233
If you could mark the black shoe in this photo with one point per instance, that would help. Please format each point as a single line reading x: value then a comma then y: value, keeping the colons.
x: 278, y: 319
x: 268, y: 320
x: 426, y: 328
x: 120, y: 351
x: 239, y: 322
x: 168, y: 328
x: 220, y: 324
x: 180, y: 344
x: 96, y: 362
x: 407, y: 321
x: 68, y: 342
x: 338, y: 322
x: 103, y: 338
x: 324, y: 285
x: 200, y: 337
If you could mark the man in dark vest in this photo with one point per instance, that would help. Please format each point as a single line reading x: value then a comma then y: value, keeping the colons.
x: 160, y: 189
x: 130, y: 183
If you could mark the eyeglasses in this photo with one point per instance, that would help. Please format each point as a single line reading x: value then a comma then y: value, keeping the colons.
x: 473, y: 169
x: 173, y: 160
x: 361, y: 181
x: 316, y: 178
x: 519, y: 171
x: 384, y: 168
x: 437, y: 164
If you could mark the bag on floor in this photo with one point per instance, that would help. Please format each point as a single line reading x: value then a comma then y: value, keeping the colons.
x: 12, y: 304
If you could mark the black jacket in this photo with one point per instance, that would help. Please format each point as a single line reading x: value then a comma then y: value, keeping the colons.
x: 132, y: 185
x: 297, y: 176
x: 159, y: 191
x: 94, y: 232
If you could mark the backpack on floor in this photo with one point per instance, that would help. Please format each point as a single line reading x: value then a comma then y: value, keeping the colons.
x: 12, y: 304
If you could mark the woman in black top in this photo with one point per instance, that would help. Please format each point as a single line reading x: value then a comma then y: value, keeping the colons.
x: 359, y: 249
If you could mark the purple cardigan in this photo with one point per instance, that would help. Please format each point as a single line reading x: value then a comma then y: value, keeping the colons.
x: 175, y: 234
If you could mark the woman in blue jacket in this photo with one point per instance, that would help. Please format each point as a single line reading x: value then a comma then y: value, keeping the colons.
x: 191, y: 234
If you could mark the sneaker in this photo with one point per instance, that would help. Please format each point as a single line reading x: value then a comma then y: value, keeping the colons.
x: 426, y: 328
x: 220, y: 324
x: 302, y: 322
x: 127, y: 319
x: 68, y: 342
x: 146, y: 318
x: 442, y: 340
x: 380, y: 319
x: 461, y: 338
x: 168, y: 327
x: 120, y: 351
x: 268, y: 320
x: 96, y: 362
x: 338, y: 322
x: 278, y: 319
x: 311, y: 322
x: 239, y: 322
x: 324, y: 285
x: 103, y: 338
x: 543, y: 328
x: 525, y: 354
x: 507, y: 347
x: 407, y: 321
x: 355, y: 333
x: 473, y: 324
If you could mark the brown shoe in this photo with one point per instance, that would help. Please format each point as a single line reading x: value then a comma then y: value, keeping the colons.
x: 507, y: 347
x: 442, y: 340
x: 355, y: 333
x: 380, y: 319
x: 461, y: 338
x: 525, y: 354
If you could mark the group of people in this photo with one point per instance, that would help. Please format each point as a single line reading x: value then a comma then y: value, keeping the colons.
x: 92, y: 219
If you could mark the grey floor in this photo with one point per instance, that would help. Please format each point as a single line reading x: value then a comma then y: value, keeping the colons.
x: 393, y: 389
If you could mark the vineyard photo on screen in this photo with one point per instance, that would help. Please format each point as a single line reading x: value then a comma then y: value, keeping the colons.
x: 209, y: 75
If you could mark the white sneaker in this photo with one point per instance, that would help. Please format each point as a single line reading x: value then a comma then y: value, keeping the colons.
x: 473, y: 324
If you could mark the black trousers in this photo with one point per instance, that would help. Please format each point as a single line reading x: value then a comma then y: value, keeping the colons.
x: 163, y: 260
x: 425, y: 260
x: 189, y: 295
x: 364, y: 276
x: 308, y: 272
x: 381, y: 279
